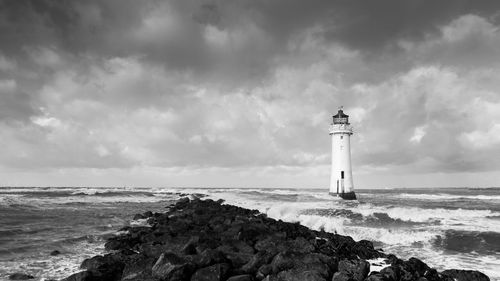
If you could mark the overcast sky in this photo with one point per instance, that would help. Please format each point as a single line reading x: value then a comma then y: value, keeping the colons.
x: 241, y: 93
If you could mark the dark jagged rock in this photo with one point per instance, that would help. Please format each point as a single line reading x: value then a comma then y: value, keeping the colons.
x: 55, y: 253
x: 465, y: 275
x: 243, y: 277
x: 379, y: 277
x: 391, y: 272
x: 355, y: 269
x: 81, y: 276
x: 170, y: 266
x: 20, y: 276
x: 206, y: 240
x: 216, y: 272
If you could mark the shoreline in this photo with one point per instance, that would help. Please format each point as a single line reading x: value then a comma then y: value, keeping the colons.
x: 199, y: 239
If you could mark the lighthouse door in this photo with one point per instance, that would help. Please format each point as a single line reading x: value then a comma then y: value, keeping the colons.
x: 342, y: 180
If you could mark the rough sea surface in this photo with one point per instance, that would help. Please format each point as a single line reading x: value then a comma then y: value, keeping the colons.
x: 446, y: 227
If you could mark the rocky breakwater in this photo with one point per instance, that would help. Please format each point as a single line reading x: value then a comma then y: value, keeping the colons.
x: 207, y: 240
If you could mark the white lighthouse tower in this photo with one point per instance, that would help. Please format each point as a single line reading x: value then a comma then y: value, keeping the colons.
x: 341, y: 178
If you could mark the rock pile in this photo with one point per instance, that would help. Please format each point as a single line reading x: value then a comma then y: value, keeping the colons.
x: 205, y: 240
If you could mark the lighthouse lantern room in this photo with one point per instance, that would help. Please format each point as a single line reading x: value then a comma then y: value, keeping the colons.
x: 341, y: 183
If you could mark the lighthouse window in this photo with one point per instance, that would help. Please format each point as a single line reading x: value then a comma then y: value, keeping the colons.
x: 341, y: 137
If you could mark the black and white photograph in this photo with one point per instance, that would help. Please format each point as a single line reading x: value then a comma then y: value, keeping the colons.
x: 250, y: 140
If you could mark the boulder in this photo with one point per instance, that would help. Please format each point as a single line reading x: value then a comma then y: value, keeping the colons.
x: 243, y: 277
x: 465, y: 275
x: 81, y: 276
x: 208, y: 257
x: 300, y: 275
x: 356, y: 269
x: 216, y: 272
x: 257, y: 261
x: 55, y: 253
x: 171, y: 267
x: 138, y: 268
x: 417, y: 266
x: 379, y: 277
x: 323, y: 265
x: 109, y: 266
x: 20, y: 276
x: 392, y: 272
x: 342, y: 276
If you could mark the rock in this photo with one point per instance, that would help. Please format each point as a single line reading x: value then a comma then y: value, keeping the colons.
x: 109, y: 266
x: 243, y: 277
x: 55, y: 253
x: 93, y: 262
x: 285, y: 260
x: 271, y: 243
x: 20, y: 276
x: 300, y: 244
x: 209, y: 257
x: 138, y: 217
x: 81, y: 276
x: 171, y: 267
x: 264, y: 271
x: 342, y: 276
x: 138, y: 268
x: 364, y: 249
x: 357, y: 269
x: 257, y: 261
x: 392, y: 272
x: 417, y: 266
x: 379, y: 277
x: 314, y: 263
x: 465, y: 275
x: 300, y: 275
x: 216, y: 272
x: 190, y: 247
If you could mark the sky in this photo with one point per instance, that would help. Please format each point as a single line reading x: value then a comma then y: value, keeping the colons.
x: 240, y: 93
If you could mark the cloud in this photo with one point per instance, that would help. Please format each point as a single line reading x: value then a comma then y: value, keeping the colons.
x: 214, y: 87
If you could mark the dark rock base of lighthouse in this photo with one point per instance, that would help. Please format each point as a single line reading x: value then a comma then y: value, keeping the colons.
x: 345, y: 196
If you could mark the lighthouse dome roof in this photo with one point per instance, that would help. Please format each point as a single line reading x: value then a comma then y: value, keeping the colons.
x: 340, y: 114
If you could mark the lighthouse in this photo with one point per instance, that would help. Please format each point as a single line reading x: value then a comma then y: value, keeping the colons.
x: 341, y: 183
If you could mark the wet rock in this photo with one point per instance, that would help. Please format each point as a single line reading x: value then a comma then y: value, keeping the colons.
x: 208, y: 257
x: 417, y: 266
x: 190, y: 247
x: 379, y: 277
x: 342, y: 276
x: 364, y: 249
x: 81, y: 276
x: 300, y: 275
x: 465, y: 275
x: 216, y: 272
x: 138, y: 268
x: 356, y: 269
x: 391, y: 272
x: 243, y: 277
x: 20, y: 276
x: 314, y: 263
x: 257, y: 261
x: 55, y: 253
x: 169, y: 266
x: 264, y: 271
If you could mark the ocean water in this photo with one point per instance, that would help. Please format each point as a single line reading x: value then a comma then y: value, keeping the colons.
x: 446, y: 228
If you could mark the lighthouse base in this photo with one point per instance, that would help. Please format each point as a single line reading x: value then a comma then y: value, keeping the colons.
x: 345, y: 196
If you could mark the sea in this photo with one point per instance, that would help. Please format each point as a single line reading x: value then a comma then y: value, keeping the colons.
x: 444, y: 227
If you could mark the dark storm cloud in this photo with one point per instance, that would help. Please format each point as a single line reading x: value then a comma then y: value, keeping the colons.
x: 172, y: 32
